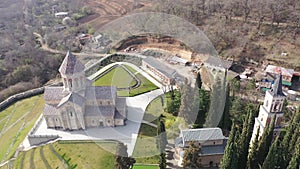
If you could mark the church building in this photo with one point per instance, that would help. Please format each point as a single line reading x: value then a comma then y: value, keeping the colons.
x: 79, y: 105
x: 272, y: 105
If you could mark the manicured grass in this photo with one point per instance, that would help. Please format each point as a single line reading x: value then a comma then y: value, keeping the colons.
x: 154, y: 110
x: 116, y: 77
x: 38, y: 162
x: 86, y: 155
x: 130, y: 69
x: 145, y: 167
x: 82, y: 155
x: 146, y: 86
x: 145, y: 150
x: 51, y: 158
x: 17, y: 121
x: 120, y: 78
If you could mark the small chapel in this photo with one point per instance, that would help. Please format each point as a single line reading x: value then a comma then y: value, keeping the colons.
x: 273, y: 104
x: 79, y: 105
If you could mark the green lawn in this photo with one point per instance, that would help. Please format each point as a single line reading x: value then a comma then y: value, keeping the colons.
x: 120, y: 78
x: 82, y: 155
x: 145, y: 150
x: 116, y: 77
x: 86, y: 155
x: 15, y: 123
x: 154, y: 110
x: 145, y: 167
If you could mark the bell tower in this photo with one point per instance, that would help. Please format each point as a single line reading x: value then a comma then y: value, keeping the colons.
x: 273, y: 104
x: 72, y: 73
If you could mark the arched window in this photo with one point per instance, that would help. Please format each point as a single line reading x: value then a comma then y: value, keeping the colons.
x: 277, y: 106
x: 70, y: 83
x: 65, y: 81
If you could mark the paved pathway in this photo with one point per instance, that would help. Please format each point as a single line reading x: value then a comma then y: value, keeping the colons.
x: 126, y: 134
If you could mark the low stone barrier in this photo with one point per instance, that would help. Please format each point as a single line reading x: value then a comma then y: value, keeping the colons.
x: 35, y: 140
x: 13, y: 99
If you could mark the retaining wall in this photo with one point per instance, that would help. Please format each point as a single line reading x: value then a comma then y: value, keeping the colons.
x: 35, y: 140
x: 13, y: 99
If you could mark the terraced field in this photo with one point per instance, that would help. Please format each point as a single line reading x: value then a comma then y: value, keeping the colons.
x: 108, y: 10
x: 15, y: 123
x: 66, y: 155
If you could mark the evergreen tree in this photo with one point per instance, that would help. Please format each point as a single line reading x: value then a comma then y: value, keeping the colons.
x: 162, y: 161
x: 295, y: 161
x: 186, y: 105
x: 122, y: 161
x: 217, y: 103
x: 273, y: 159
x: 252, y: 162
x: 266, y: 141
x: 236, y: 109
x: 161, y: 142
x: 244, y: 140
x: 225, y: 123
x: 161, y: 136
x: 235, y: 86
x: 173, y: 104
x: 229, y: 160
x: 199, y: 80
x: 191, y: 157
x: 203, y: 108
x: 290, y: 138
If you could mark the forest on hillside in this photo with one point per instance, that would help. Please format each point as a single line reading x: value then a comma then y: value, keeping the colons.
x: 239, y: 29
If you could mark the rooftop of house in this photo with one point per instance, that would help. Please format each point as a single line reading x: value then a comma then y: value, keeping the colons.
x: 166, y: 70
x: 277, y: 70
x: 71, y: 65
x: 202, y: 134
x: 178, y: 59
x: 216, y: 61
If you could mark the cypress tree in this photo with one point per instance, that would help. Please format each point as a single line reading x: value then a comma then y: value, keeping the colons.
x: 199, y: 81
x: 229, y: 159
x: 191, y: 157
x: 161, y: 142
x: 243, y: 142
x: 289, y: 139
x: 203, y: 108
x: 266, y: 141
x: 162, y: 161
x: 252, y: 162
x: 226, y: 122
x: 273, y: 159
x: 295, y: 161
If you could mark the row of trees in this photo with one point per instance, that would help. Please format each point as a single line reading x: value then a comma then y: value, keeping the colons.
x: 265, y: 154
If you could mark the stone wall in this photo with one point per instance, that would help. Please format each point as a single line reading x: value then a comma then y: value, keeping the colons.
x: 13, y: 99
x: 35, y: 140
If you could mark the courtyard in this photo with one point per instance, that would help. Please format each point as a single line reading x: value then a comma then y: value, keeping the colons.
x: 129, y: 81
